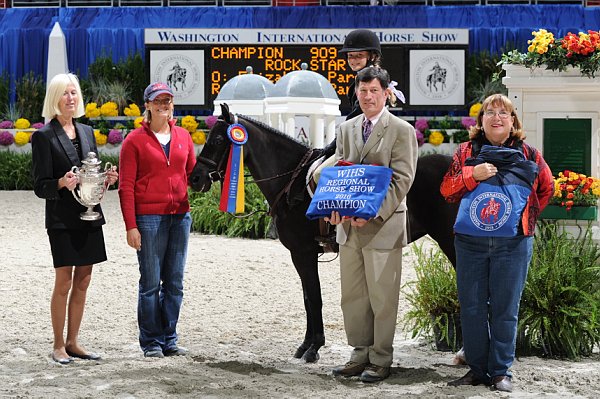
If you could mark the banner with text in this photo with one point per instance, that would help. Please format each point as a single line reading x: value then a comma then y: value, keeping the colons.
x: 356, y: 190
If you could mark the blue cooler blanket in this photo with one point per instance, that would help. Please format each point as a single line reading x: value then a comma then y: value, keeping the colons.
x: 495, y: 206
x: 356, y: 190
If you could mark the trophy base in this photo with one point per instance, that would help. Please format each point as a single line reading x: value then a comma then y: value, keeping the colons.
x: 90, y: 215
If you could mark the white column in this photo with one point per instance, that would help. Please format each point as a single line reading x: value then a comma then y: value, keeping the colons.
x: 329, y: 129
x: 290, y: 124
x: 317, y: 134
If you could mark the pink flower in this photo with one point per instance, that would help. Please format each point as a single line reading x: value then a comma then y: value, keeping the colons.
x: 467, y: 122
x: 37, y: 125
x: 6, y: 125
x: 420, y: 137
x: 210, y: 121
x: 115, y: 136
x: 6, y: 138
x: 421, y: 125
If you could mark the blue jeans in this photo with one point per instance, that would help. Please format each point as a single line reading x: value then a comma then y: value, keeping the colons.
x: 162, y: 263
x: 491, y: 274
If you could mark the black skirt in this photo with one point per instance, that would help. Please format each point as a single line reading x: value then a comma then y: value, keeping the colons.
x: 77, y: 247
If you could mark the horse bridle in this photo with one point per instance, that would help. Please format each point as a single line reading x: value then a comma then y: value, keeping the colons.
x: 219, y: 169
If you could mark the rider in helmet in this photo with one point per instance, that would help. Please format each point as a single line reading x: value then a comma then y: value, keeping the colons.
x: 362, y: 49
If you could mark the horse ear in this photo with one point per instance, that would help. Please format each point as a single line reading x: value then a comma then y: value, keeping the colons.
x: 225, y: 113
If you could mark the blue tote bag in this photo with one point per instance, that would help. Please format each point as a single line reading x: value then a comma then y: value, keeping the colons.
x: 495, y: 206
x: 355, y: 190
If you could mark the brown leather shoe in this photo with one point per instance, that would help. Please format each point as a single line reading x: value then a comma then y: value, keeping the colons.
x: 374, y: 373
x: 502, y: 383
x: 469, y: 379
x: 349, y: 369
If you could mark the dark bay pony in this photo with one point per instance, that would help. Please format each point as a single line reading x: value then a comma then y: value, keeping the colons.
x: 279, y: 164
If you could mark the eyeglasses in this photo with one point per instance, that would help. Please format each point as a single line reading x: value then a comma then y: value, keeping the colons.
x: 162, y: 101
x: 501, y: 114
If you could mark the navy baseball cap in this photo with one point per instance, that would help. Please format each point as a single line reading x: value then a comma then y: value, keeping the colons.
x: 156, y: 88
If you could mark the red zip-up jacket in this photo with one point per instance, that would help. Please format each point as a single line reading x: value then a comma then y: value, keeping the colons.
x: 149, y: 182
x: 459, y: 179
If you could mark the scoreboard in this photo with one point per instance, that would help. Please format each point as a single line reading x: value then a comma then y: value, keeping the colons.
x: 273, y: 62
x: 196, y: 64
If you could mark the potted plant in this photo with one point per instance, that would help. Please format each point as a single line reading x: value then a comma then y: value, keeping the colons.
x: 572, y: 51
x: 575, y: 197
x: 433, y: 296
x: 559, y: 314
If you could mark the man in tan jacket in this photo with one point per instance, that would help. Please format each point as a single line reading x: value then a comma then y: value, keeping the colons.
x: 371, y: 250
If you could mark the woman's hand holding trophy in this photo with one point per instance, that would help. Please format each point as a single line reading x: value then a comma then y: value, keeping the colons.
x: 91, y: 183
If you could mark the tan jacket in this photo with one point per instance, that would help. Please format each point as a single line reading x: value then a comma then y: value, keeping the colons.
x: 393, y: 144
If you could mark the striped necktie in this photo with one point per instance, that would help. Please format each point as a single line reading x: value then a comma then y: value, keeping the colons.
x: 367, y: 129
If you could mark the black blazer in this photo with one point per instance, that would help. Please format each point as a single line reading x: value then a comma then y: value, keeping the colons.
x: 53, y: 155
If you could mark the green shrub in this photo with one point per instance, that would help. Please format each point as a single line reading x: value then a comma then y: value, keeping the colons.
x: 483, y: 75
x: 560, y: 307
x: 31, y: 90
x: 15, y: 171
x: 4, y: 91
x: 129, y: 73
x: 433, y: 298
x: 208, y: 219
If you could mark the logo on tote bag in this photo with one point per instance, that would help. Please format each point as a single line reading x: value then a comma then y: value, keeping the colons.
x: 490, y: 211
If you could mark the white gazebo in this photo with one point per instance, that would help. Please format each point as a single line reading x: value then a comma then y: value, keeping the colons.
x: 245, y: 94
x: 304, y: 93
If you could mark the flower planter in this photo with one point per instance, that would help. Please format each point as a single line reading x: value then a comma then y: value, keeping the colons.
x: 448, y: 338
x: 575, y: 213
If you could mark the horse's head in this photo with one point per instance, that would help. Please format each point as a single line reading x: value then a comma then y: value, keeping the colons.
x: 212, y: 161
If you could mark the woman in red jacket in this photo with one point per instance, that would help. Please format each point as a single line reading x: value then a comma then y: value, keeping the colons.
x: 491, y: 270
x: 156, y: 161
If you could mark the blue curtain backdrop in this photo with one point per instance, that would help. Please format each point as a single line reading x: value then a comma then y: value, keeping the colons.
x: 92, y: 32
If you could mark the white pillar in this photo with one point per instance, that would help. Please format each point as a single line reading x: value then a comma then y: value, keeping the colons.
x: 329, y: 129
x: 290, y: 124
x: 317, y: 134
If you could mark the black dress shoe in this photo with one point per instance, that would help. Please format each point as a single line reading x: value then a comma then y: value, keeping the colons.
x: 84, y: 356
x: 502, y: 383
x: 470, y: 379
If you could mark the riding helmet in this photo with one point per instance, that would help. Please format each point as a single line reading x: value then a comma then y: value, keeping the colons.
x: 361, y: 40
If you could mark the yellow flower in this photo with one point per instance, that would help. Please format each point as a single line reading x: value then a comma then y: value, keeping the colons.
x: 575, y: 189
x: 22, y: 138
x: 109, y: 109
x: 189, y: 123
x: 474, y: 110
x: 100, y: 138
x: 91, y: 110
x: 199, y: 137
x: 132, y: 110
x: 22, y: 123
x: 542, y: 40
x: 138, y: 122
x: 436, y: 137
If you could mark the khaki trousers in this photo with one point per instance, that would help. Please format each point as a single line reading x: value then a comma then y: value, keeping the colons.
x: 370, y: 284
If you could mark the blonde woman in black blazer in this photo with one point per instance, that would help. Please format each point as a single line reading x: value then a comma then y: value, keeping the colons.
x: 76, y: 245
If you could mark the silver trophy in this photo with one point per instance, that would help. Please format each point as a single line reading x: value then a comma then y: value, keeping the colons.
x: 91, y: 185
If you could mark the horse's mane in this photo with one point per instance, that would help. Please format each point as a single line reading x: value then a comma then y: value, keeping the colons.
x: 270, y: 129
